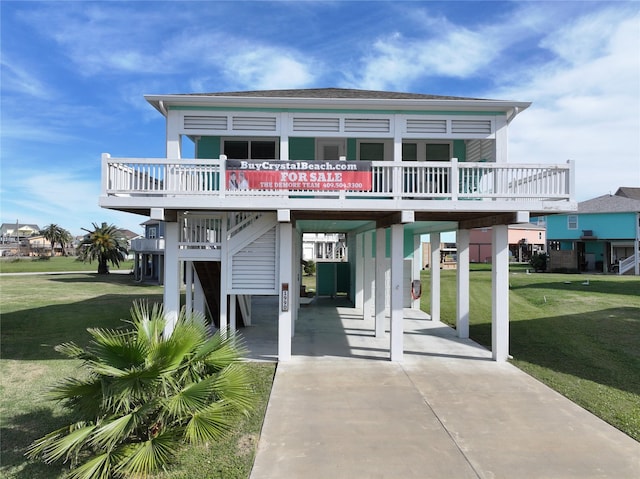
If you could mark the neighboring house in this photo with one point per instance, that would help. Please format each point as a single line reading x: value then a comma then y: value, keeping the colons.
x: 602, y: 236
x: 148, y: 253
x: 324, y: 247
x: 11, y: 232
x: 524, y: 240
x: 381, y: 168
x: 14, y: 238
x: 128, y: 236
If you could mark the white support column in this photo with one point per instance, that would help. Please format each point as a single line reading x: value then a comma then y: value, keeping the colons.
x: 285, y: 329
x: 174, y: 140
x: 462, y: 302
x: 397, y: 290
x: 171, y: 296
x: 435, y: 276
x: 225, y: 265
x: 500, y: 293
x: 381, y: 293
x: 416, y: 266
x: 369, y: 276
x: 358, y: 258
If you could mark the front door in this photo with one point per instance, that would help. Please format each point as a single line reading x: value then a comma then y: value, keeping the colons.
x: 330, y: 149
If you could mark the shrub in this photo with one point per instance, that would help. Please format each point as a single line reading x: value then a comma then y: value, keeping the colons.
x: 145, y: 394
x: 309, y: 268
x: 539, y: 261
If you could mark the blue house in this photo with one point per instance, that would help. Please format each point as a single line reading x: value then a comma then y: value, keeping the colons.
x: 602, y: 236
x: 148, y: 253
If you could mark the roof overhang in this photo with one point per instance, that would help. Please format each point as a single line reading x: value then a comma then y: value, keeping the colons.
x: 163, y: 103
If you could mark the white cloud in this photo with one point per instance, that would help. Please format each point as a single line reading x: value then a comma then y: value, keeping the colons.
x: 397, y: 61
x: 267, y: 68
x: 18, y: 79
x: 586, y: 105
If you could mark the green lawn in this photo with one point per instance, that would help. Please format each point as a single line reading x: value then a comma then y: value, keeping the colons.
x: 26, y: 264
x: 583, y: 340
x: 40, y: 311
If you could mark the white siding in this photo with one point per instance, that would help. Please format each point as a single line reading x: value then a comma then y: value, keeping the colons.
x: 253, y: 268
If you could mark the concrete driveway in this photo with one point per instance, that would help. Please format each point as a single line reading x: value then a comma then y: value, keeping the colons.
x: 341, y: 409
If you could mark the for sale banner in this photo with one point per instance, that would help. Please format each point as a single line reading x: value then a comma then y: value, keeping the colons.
x: 298, y: 175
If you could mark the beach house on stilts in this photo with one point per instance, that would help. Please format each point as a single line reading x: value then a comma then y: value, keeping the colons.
x: 380, y: 167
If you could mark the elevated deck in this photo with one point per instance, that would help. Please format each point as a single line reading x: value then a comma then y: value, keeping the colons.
x: 433, y: 191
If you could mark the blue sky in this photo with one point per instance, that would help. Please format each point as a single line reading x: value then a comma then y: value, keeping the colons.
x: 74, y: 73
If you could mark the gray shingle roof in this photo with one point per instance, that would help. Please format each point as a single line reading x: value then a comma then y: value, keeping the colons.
x: 328, y: 93
x: 629, y: 192
x: 609, y: 204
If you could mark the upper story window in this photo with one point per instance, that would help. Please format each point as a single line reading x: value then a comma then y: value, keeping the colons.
x: 250, y: 149
x: 379, y: 150
x: 572, y: 222
x: 426, y: 151
x: 152, y: 232
x: 371, y: 151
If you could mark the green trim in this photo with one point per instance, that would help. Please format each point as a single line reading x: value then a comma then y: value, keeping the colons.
x: 302, y: 148
x: 208, y: 147
x: 332, y: 110
x: 352, y: 148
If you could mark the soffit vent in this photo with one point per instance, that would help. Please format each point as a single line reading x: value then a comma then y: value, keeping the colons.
x: 471, y: 127
x: 254, y: 123
x: 366, y: 125
x: 316, y: 124
x: 193, y: 122
x: 426, y: 126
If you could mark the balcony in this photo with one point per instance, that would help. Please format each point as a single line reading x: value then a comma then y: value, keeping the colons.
x: 136, y: 185
x: 147, y: 245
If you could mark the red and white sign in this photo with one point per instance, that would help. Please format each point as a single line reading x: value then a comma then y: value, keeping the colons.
x: 298, y: 175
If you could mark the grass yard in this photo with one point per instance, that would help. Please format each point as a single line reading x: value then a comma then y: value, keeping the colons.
x: 583, y: 340
x: 41, y: 311
x: 26, y: 264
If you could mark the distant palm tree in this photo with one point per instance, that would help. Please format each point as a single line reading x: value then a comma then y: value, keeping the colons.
x: 104, y: 244
x: 56, y: 234
x: 145, y: 394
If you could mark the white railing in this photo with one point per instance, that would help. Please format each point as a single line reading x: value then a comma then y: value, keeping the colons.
x: 147, y: 244
x: 407, y: 180
x: 627, y: 264
x: 201, y: 231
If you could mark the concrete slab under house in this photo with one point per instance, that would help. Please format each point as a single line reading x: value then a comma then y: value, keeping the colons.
x: 378, y: 168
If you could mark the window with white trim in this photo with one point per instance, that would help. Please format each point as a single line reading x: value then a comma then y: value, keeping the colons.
x: 572, y: 222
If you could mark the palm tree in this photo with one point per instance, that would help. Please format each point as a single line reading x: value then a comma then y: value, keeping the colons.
x: 145, y: 395
x: 103, y: 244
x: 56, y: 234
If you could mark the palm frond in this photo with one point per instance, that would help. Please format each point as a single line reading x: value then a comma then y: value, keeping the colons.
x: 118, y: 348
x: 210, y: 424
x: 223, y: 351
x: 113, y: 431
x: 85, y: 396
x: 60, y: 444
x: 192, y: 398
x: 73, y: 351
x: 144, y: 458
x: 148, y: 324
x: 99, y: 467
x: 234, y: 386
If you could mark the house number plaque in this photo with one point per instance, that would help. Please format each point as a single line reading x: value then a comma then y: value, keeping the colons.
x: 285, y: 296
